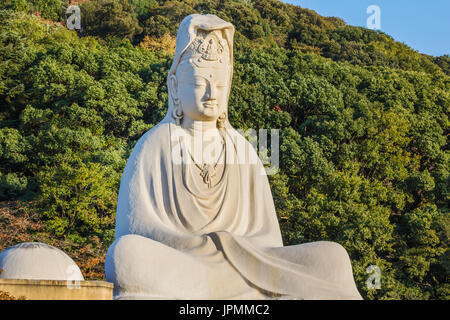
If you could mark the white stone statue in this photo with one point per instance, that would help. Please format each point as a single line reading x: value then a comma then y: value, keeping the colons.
x: 193, y: 224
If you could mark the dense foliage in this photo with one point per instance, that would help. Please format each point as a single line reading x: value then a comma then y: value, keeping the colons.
x: 363, y: 119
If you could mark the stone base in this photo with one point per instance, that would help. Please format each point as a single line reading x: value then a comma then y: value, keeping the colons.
x: 57, y: 289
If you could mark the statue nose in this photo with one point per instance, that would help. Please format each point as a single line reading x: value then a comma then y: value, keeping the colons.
x: 211, y: 94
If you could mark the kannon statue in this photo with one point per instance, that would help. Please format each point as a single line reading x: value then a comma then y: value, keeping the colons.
x: 195, y: 217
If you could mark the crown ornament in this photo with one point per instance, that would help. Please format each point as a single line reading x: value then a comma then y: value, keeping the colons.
x: 207, y: 46
x: 211, y: 48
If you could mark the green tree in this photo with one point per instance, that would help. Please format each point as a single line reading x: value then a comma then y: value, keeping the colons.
x: 109, y: 18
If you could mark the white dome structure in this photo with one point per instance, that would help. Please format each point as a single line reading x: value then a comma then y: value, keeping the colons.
x: 37, y: 261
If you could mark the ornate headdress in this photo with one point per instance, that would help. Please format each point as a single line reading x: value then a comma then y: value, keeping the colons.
x: 207, y: 47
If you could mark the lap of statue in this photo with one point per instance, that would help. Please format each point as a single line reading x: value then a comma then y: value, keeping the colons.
x: 142, y: 268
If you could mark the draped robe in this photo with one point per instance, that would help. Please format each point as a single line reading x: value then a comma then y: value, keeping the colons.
x: 177, y: 240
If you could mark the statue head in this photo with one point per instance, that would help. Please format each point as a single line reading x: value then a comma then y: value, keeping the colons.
x: 199, y: 79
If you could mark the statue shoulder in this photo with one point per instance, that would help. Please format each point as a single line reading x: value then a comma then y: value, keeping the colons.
x: 245, y: 150
x: 159, y: 133
x: 153, y: 141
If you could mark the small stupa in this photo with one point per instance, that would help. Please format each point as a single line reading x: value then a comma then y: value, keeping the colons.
x: 37, y: 261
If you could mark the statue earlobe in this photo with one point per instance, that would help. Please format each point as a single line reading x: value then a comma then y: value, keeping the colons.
x: 221, y: 120
x: 177, y: 114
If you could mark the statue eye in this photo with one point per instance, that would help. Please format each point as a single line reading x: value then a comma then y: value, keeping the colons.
x: 198, y: 82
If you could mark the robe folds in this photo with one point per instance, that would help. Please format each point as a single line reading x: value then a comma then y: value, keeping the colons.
x: 176, y: 239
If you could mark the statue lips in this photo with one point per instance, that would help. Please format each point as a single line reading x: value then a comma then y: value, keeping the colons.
x: 209, y: 105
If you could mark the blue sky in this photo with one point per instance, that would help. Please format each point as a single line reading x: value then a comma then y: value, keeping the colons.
x: 423, y: 25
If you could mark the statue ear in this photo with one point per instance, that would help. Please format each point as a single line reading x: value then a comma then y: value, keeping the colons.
x: 173, y: 88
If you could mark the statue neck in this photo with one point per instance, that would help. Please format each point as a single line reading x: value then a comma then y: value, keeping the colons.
x: 200, y: 129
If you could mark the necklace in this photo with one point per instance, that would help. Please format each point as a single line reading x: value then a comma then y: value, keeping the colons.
x: 208, y: 171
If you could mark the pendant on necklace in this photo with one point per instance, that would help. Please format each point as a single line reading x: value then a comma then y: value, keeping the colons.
x: 208, y: 172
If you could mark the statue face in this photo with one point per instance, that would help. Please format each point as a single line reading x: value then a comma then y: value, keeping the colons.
x: 202, y: 91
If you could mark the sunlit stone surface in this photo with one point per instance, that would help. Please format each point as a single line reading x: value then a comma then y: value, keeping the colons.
x: 37, y: 261
x: 191, y: 226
